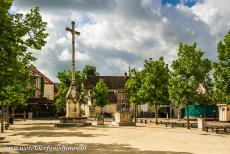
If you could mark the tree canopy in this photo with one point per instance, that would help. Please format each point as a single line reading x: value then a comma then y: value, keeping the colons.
x: 65, y: 81
x: 189, y: 71
x: 133, y: 85
x: 89, y: 70
x: 18, y: 35
x: 100, y: 94
x: 221, y: 72
x: 155, y: 80
x: 63, y: 86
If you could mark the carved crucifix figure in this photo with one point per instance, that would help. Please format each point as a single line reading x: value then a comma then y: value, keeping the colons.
x: 72, y: 96
x: 73, y: 32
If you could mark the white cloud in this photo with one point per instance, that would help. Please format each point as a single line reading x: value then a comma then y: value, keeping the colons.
x: 82, y: 56
x: 215, y: 14
x: 62, y: 40
x: 116, y: 34
x: 65, y: 55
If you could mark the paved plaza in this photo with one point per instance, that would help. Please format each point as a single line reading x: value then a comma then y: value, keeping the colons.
x: 42, y: 137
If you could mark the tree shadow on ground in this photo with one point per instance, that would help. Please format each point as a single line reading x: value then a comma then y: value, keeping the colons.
x: 55, y: 134
x: 43, y: 127
x: 95, y: 148
x: 35, y: 123
x: 50, y: 127
x: 2, y: 140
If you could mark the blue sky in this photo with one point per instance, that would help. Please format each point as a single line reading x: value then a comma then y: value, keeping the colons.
x: 188, y: 3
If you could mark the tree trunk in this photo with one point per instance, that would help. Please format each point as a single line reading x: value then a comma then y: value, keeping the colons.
x: 79, y: 107
x: 101, y: 110
x: 135, y: 113
x: 13, y: 112
x: 188, y: 126
x: 24, y: 115
x: 2, y: 119
x: 7, y: 114
x: 156, y: 114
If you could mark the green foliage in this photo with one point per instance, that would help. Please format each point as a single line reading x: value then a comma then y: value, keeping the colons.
x: 18, y: 33
x: 63, y: 86
x: 189, y: 71
x: 65, y: 81
x: 89, y: 70
x: 221, y: 72
x: 100, y: 94
x: 150, y: 85
x: 133, y: 85
x: 154, y: 89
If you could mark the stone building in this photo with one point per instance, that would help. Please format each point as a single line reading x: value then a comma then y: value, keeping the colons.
x: 41, y: 103
x: 116, y: 92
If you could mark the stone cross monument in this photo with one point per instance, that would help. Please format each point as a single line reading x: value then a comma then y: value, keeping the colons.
x: 72, y: 96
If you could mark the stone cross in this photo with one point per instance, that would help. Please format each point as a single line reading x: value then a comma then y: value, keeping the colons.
x: 72, y: 97
x: 73, y: 32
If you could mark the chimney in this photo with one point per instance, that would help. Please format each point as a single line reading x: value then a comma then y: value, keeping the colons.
x: 126, y: 75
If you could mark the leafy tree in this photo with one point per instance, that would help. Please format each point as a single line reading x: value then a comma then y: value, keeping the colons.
x: 18, y: 33
x: 222, y: 72
x: 189, y: 71
x: 132, y: 86
x: 65, y: 81
x: 89, y: 70
x: 154, y: 89
x: 63, y: 86
x: 100, y: 94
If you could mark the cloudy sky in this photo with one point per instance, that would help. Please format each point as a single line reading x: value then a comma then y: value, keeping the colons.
x: 116, y: 34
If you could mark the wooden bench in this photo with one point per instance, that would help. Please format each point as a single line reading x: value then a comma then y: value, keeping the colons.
x: 179, y: 124
x: 168, y: 123
x: 145, y: 121
x: 209, y: 127
x: 217, y: 128
x: 225, y: 128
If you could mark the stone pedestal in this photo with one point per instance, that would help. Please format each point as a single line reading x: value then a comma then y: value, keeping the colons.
x: 72, y: 102
x: 72, y: 122
x: 201, y: 124
x: 123, y: 119
x: 72, y: 108
x: 100, y: 120
x: 30, y: 115
x: 72, y: 117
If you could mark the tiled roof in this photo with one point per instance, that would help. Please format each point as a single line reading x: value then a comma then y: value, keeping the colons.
x: 112, y: 82
x: 35, y: 71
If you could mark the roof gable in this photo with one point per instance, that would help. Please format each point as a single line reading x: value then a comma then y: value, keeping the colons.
x: 112, y: 82
x: 35, y: 71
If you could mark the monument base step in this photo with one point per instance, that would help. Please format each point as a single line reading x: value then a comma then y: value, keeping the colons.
x: 60, y: 125
x: 96, y: 123
x: 123, y: 123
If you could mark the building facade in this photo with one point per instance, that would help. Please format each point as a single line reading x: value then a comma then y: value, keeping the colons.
x: 116, y: 92
x: 41, y: 103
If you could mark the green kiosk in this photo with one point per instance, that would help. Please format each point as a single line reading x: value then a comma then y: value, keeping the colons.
x: 208, y: 112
